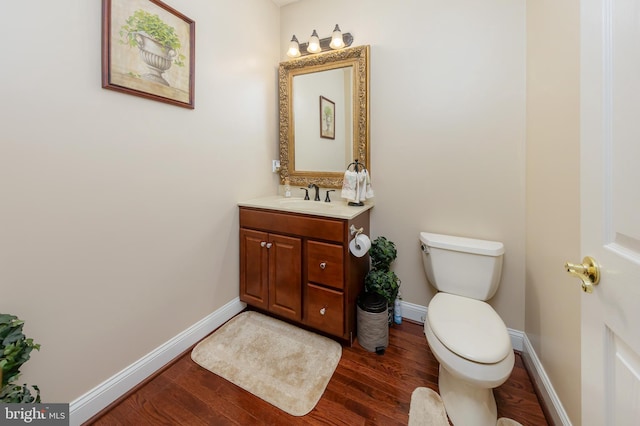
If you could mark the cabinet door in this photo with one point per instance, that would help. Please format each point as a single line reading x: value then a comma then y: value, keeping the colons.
x: 285, y: 276
x: 254, y: 268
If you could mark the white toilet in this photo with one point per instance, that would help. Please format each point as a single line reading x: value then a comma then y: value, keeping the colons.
x: 464, y: 333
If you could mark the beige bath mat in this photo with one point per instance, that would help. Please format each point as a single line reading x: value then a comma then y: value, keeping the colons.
x: 427, y: 409
x: 277, y: 362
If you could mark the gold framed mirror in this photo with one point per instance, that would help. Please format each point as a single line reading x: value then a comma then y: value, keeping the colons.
x: 324, y: 116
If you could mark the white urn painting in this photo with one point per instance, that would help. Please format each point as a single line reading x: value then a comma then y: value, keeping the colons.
x: 148, y: 51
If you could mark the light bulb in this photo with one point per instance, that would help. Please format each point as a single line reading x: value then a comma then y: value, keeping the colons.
x: 294, y: 48
x: 336, y: 38
x: 314, y: 43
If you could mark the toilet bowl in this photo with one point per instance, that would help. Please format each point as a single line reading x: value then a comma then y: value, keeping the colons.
x: 465, y: 334
x: 466, y: 384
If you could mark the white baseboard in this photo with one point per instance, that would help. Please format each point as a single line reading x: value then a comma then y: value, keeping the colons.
x: 91, y: 403
x: 414, y: 312
x: 541, y: 380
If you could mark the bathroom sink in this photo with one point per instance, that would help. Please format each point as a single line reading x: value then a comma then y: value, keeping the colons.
x: 336, y: 208
x: 298, y: 203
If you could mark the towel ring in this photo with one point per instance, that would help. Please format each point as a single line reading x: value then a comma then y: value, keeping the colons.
x: 357, y: 167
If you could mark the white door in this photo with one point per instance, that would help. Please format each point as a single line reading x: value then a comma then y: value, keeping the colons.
x: 610, y: 205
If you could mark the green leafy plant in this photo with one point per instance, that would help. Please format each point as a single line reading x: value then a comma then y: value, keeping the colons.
x: 15, y: 350
x: 382, y: 253
x: 385, y: 283
x: 144, y: 22
x: 13, y: 393
x: 380, y: 279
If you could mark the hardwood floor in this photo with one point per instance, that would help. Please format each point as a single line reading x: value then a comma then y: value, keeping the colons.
x: 366, y: 389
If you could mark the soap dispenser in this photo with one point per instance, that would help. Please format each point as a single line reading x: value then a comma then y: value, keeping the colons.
x: 287, y: 188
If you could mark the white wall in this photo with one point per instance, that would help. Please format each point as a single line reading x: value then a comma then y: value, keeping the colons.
x: 553, y: 188
x: 118, y: 217
x: 447, y: 124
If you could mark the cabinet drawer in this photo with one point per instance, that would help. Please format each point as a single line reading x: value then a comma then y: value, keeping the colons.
x: 293, y: 224
x: 325, y: 264
x: 325, y: 309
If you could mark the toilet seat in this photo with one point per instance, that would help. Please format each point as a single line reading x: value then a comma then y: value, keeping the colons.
x: 481, y: 375
x: 469, y: 328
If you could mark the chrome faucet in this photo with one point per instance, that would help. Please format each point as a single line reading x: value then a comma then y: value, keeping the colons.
x: 317, y: 188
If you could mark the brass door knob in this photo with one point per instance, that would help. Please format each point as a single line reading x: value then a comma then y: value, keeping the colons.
x: 588, y: 272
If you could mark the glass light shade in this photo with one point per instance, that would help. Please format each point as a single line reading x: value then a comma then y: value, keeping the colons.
x: 294, y: 48
x: 336, y: 38
x: 314, y: 43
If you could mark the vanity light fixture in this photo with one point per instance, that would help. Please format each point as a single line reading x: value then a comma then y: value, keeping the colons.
x: 294, y: 48
x: 336, y: 38
x: 316, y: 45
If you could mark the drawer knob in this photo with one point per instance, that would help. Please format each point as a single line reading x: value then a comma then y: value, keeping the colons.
x: 263, y: 243
x: 323, y: 265
x: 323, y: 310
x: 269, y: 245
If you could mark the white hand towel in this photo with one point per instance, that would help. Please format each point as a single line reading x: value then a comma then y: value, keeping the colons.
x: 364, y: 189
x: 360, y: 186
x: 349, y: 186
x: 369, y: 190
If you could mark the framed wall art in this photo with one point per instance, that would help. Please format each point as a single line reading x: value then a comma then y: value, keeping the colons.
x: 148, y: 50
x: 327, y: 118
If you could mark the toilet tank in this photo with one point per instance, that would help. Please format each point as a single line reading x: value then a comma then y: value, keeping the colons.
x: 463, y: 266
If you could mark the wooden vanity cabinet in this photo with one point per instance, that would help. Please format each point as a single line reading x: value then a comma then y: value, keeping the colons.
x: 298, y: 267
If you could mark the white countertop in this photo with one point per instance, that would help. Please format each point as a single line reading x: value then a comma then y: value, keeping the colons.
x: 337, y: 208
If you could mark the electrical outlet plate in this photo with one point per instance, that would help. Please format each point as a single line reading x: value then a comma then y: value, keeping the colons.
x: 275, y: 165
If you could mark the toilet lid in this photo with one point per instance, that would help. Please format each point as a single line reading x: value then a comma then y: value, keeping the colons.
x: 468, y: 327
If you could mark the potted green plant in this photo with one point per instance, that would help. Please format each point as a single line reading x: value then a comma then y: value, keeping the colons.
x: 157, y: 41
x: 15, y: 350
x: 380, y: 279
